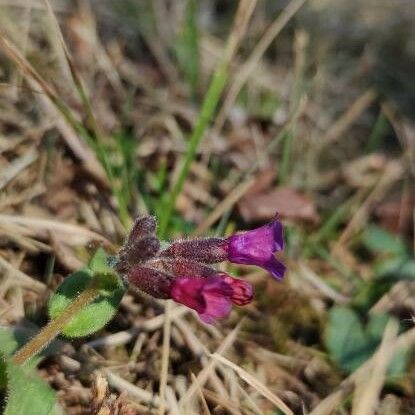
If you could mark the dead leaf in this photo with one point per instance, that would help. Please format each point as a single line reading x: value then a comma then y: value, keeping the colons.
x: 287, y: 202
x: 397, y: 215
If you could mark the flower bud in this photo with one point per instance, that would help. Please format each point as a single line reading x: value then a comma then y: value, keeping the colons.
x: 206, y: 250
x: 180, y: 267
x: 142, y: 227
x: 137, y: 251
x: 151, y: 281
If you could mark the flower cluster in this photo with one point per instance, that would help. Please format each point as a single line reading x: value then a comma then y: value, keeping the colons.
x: 183, y: 271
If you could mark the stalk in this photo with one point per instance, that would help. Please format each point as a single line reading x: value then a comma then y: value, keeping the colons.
x: 54, y: 327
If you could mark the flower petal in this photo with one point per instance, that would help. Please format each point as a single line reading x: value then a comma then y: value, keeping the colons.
x: 211, y: 297
x: 275, y: 267
x: 242, y: 291
x: 188, y: 291
x: 257, y: 247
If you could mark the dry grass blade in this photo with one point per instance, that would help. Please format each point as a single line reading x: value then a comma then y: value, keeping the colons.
x: 247, y: 69
x: 75, y: 75
x: 225, y: 205
x: 243, y: 15
x: 392, y: 174
x: 123, y: 337
x: 349, y: 116
x: 255, y: 383
x: 53, y: 225
x: 331, y: 402
x: 370, y: 383
x: 34, y: 80
x: 134, y: 392
x: 165, y: 354
x: 231, y: 406
x: 17, y: 166
x: 201, y: 397
x: 24, y: 280
x: 200, y: 350
x: 27, y: 69
x: 206, y: 371
x: 317, y: 282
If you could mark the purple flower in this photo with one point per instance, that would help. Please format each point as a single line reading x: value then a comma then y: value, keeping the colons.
x: 257, y: 247
x: 182, y: 272
x: 211, y: 297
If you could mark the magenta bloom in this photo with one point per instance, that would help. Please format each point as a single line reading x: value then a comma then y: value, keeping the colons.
x: 257, y: 247
x: 211, y: 297
x: 181, y: 271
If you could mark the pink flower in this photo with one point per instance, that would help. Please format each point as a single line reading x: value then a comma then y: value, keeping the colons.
x: 182, y: 272
x: 211, y: 297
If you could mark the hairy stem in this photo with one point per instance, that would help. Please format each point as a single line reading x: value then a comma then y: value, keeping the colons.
x: 51, y: 330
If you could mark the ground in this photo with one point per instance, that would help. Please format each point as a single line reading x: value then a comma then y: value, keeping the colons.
x: 215, y: 116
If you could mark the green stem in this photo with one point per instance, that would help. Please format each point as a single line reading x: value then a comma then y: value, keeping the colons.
x: 51, y: 330
x: 209, y: 105
x: 208, y: 108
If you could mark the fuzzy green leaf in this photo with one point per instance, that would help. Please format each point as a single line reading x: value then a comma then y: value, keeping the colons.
x: 99, y: 263
x: 98, y: 313
x: 9, y: 342
x: 27, y: 393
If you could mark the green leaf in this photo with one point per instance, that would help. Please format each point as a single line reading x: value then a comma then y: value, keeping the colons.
x: 399, y: 363
x: 99, y: 263
x: 3, y: 373
x: 345, y: 338
x: 13, y: 338
x: 375, y: 328
x: 187, y: 46
x: 9, y: 342
x: 107, y: 278
x: 350, y: 343
x: 396, y: 268
x: 98, y: 313
x: 27, y: 393
x: 379, y: 240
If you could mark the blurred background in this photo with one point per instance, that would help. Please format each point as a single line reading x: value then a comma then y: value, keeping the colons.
x: 213, y: 116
